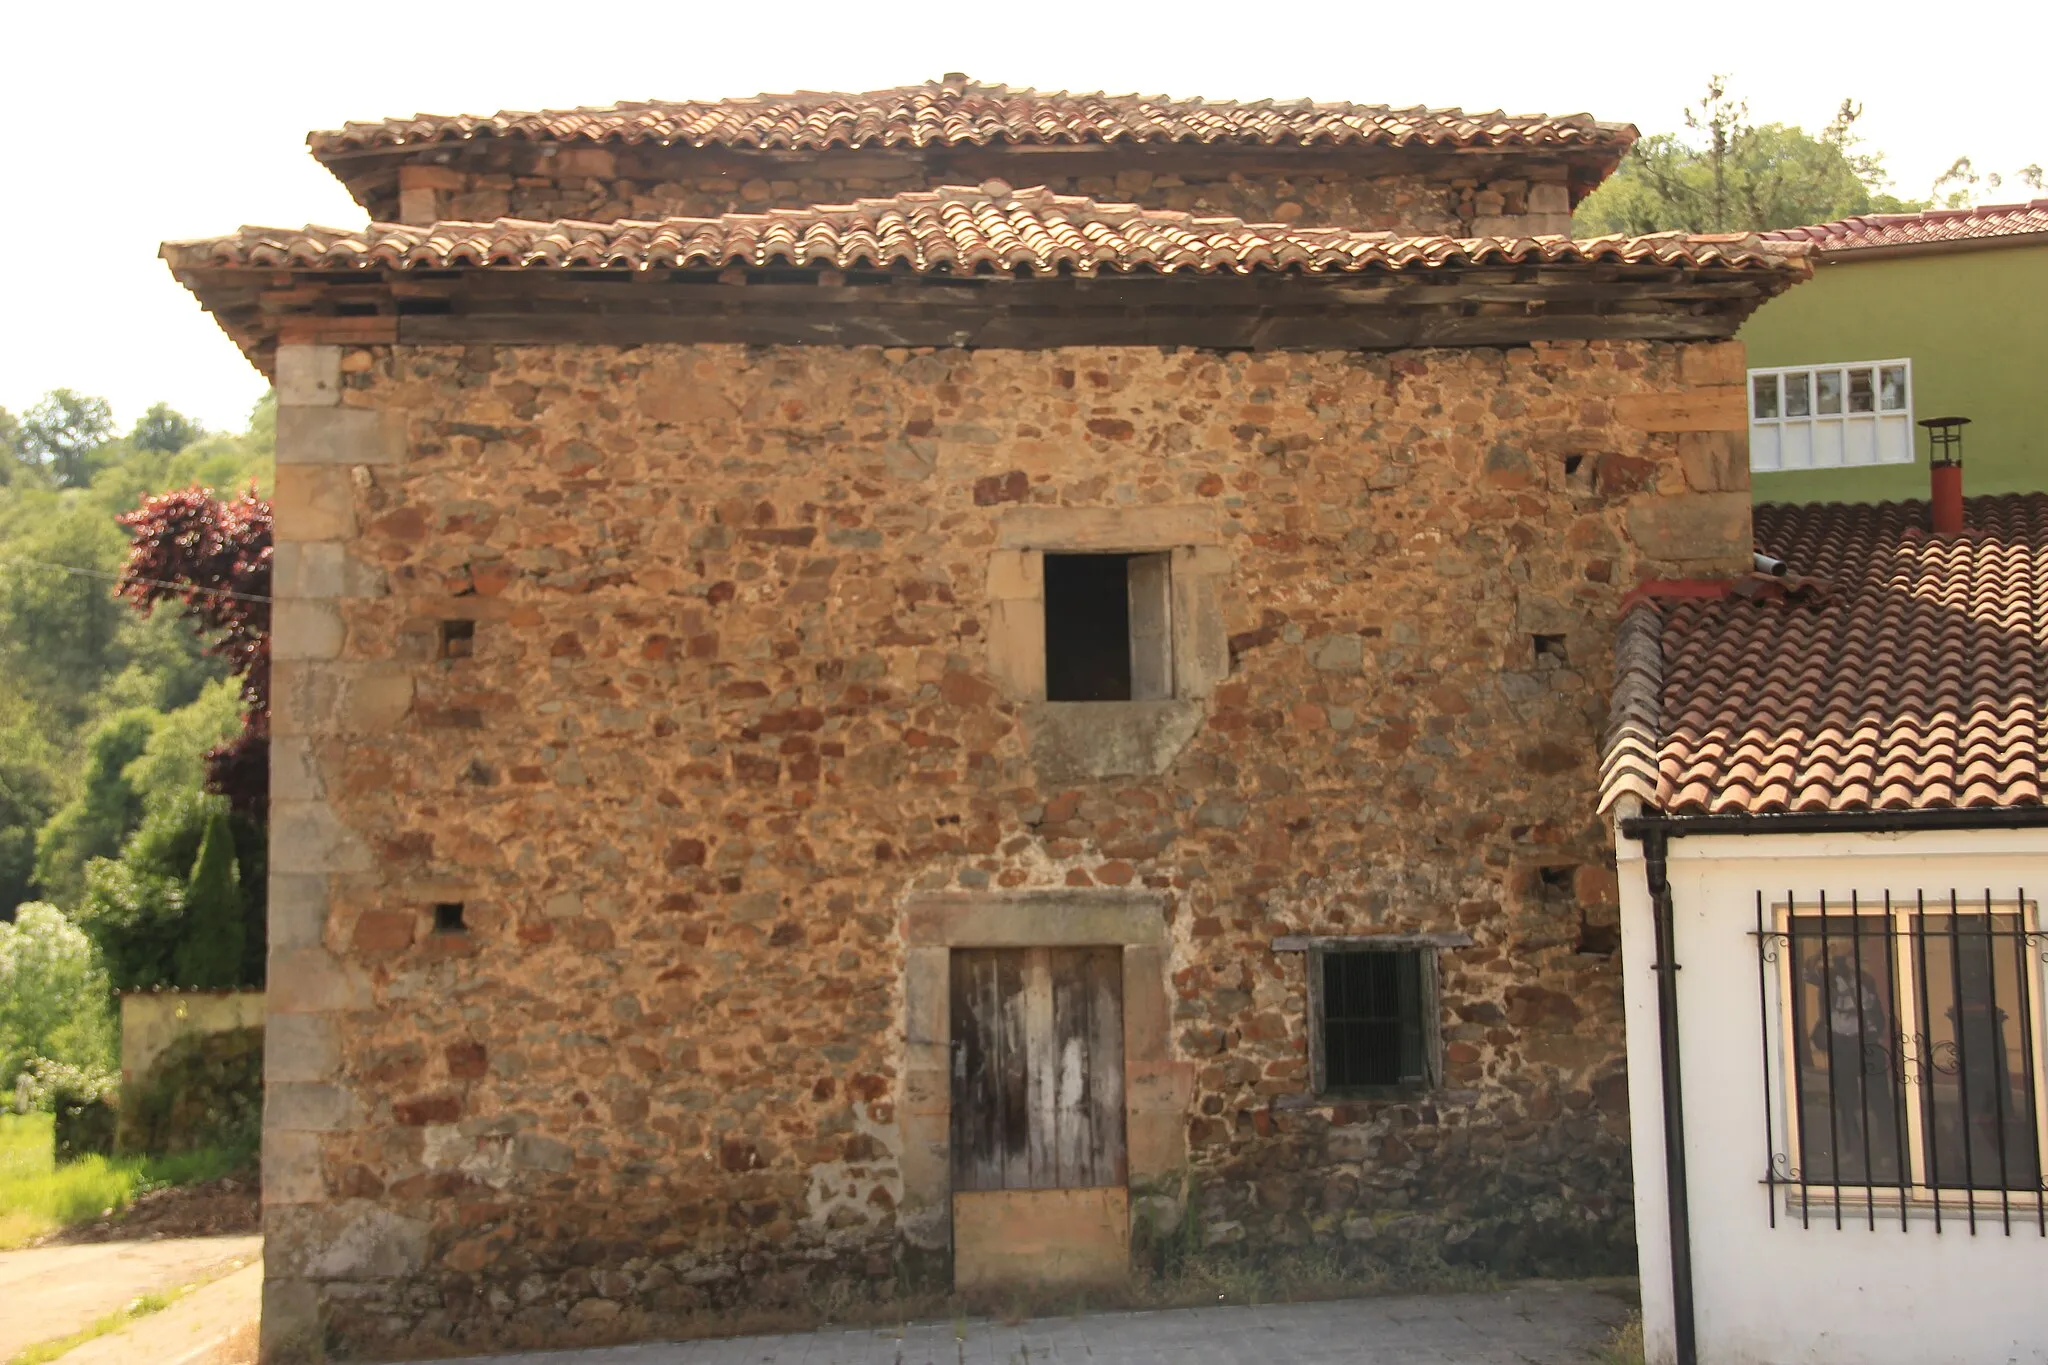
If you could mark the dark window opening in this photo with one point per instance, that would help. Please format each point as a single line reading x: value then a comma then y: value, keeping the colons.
x: 1550, y: 651
x: 1374, y: 1019
x: 1554, y: 882
x: 1107, y: 636
x: 448, y: 918
x: 1597, y: 938
x: 458, y: 639
x: 1578, y: 475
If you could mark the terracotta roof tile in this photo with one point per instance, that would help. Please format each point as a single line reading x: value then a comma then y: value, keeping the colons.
x: 1933, y: 227
x: 1914, y: 681
x: 990, y: 229
x: 960, y: 112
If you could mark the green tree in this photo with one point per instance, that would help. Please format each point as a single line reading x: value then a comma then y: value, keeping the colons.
x: 64, y: 433
x: 94, y: 822
x: 164, y: 430
x: 28, y: 796
x: 1962, y: 184
x: 135, y: 905
x: 1726, y: 174
x: 136, y: 914
x: 172, y: 763
x: 53, y: 993
x: 10, y: 446
x: 209, y: 952
x: 59, y: 630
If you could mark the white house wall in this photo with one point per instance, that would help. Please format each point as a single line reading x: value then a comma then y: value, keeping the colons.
x: 1787, y: 1295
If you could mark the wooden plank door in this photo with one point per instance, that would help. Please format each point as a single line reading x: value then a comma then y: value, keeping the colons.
x: 1038, y: 1068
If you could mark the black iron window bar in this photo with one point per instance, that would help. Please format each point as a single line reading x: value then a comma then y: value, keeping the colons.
x: 1903, y: 1065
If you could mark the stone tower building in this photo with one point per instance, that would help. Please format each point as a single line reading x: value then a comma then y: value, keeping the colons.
x: 956, y: 684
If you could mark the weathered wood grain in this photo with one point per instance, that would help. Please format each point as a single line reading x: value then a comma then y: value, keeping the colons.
x: 1038, y: 1091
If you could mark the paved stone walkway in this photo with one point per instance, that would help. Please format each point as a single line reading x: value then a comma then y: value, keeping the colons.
x: 53, y: 1291
x: 1533, y: 1324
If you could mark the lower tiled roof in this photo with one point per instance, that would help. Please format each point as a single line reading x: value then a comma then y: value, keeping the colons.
x: 960, y: 230
x: 1931, y: 228
x: 1911, y: 679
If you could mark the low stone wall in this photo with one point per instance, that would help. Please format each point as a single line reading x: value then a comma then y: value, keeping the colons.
x: 151, y: 1021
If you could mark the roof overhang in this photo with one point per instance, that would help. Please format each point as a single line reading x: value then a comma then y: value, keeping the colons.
x: 1023, y: 270
x: 1487, y: 305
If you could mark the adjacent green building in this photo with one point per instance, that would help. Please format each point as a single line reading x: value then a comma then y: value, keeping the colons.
x: 1908, y: 316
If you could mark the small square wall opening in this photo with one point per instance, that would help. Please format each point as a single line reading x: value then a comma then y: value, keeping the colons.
x: 1578, y: 474
x: 448, y: 918
x: 458, y: 639
x: 1108, y: 629
x: 1550, y: 651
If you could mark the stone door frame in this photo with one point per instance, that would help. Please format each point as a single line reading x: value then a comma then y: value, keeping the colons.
x: 1156, y: 1088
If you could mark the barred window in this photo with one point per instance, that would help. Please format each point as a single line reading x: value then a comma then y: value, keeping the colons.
x: 1375, y: 1019
x: 1908, y: 1053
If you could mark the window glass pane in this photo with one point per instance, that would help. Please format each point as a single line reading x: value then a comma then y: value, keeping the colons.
x: 1891, y: 388
x: 1849, y: 1096
x: 1766, y: 395
x: 1799, y: 395
x: 1977, y: 1093
x: 1862, y: 398
x: 1827, y: 391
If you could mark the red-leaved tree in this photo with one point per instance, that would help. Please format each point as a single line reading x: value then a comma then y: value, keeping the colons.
x: 212, y: 557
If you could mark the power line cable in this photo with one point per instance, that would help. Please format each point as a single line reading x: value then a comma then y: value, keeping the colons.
x: 129, y: 578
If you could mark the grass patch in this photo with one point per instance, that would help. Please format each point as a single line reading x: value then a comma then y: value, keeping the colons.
x: 37, y: 1196
x: 1624, y: 1346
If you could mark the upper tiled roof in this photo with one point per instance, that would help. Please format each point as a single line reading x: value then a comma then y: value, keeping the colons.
x: 1911, y: 679
x: 955, y: 231
x: 1931, y: 228
x: 960, y: 112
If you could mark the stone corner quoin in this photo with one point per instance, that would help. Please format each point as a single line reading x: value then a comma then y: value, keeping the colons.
x: 720, y: 715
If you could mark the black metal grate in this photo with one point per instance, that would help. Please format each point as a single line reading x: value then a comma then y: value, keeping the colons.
x: 1372, y: 1018
x: 1902, y: 1058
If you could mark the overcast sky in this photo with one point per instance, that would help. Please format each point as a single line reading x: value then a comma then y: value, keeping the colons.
x: 135, y: 124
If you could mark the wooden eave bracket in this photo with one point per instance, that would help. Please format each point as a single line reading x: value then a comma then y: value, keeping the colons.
x: 1464, y: 306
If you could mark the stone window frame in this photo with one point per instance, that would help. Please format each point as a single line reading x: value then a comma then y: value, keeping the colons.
x: 1198, y: 567
x: 1313, y: 948
x: 1157, y: 1089
x: 1075, y: 741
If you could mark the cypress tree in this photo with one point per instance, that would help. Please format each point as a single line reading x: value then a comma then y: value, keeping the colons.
x: 210, y: 956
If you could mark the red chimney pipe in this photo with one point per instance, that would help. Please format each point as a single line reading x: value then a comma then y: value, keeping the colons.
x: 1945, y: 473
x: 1948, y: 498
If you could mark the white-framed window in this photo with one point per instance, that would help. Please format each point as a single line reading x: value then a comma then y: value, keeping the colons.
x: 1831, y: 416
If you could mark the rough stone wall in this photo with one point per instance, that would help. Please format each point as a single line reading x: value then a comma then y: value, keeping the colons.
x: 726, y: 702
x: 590, y: 184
